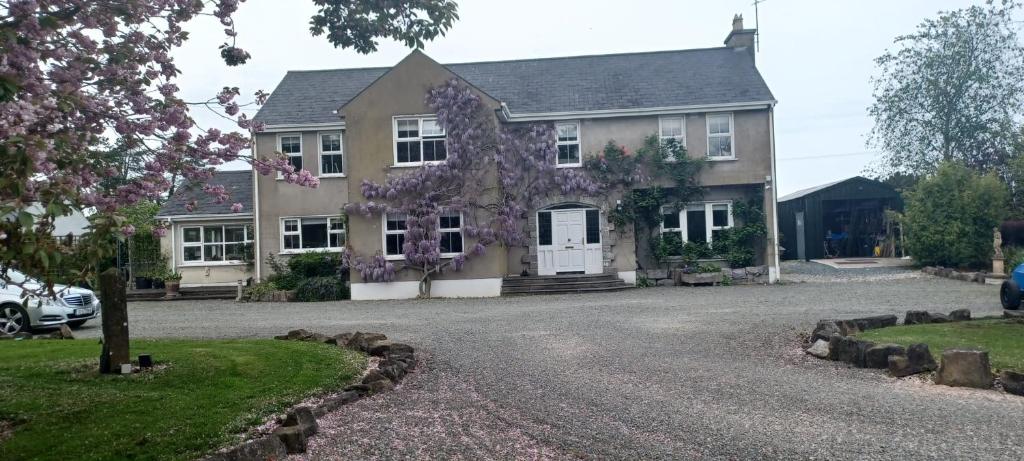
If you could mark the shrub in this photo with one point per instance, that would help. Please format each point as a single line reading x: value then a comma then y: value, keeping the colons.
x: 950, y: 216
x: 318, y: 264
x: 258, y: 290
x: 321, y: 289
x: 666, y: 245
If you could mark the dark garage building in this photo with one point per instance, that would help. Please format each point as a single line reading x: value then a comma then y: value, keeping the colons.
x: 839, y: 219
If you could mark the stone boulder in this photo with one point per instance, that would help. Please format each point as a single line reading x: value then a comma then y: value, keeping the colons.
x: 299, y: 335
x: 1013, y: 382
x: 824, y: 330
x: 819, y: 349
x: 378, y: 387
x: 878, y: 356
x: 875, y: 322
x: 341, y: 340
x: 917, y: 318
x: 918, y: 360
x: 361, y: 341
x: 847, y: 327
x: 964, y: 368
x: 263, y: 448
x: 292, y: 437
x: 373, y: 375
x: 960, y: 315
x: 848, y: 349
x: 303, y: 418
x: 940, y: 318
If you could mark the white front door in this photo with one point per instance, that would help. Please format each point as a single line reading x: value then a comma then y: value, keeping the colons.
x: 569, y: 232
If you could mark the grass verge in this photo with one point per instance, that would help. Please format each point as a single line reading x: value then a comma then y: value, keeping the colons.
x: 1002, y: 338
x: 202, y: 394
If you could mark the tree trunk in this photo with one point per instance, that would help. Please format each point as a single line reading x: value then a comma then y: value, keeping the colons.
x: 115, y: 322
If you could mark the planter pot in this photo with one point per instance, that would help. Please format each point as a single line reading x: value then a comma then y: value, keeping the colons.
x: 698, y: 278
x: 143, y: 283
x: 171, y: 288
x: 158, y: 284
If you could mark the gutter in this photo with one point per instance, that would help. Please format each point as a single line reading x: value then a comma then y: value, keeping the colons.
x: 256, y: 219
x: 609, y: 113
x: 205, y: 217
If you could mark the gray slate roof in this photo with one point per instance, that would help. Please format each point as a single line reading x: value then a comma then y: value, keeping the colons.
x: 570, y: 84
x: 238, y: 185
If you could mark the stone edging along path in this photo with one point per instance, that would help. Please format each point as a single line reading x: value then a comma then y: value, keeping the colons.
x: 835, y: 340
x: 395, y: 361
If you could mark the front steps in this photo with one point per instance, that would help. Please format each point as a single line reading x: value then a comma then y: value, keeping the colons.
x: 562, y: 284
x: 185, y: 294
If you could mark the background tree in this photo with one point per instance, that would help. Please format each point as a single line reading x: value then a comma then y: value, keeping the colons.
x: 951, y: 91
x: 75, y: 71
x: 950, y: 216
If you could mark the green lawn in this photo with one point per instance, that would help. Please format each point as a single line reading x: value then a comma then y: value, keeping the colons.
x: 1003, y: 339
x: 208, y: 391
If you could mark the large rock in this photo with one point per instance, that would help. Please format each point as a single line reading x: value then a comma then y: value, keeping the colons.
x: 265, y: 448
x: 299, y: 335
x: 292, y: 437
x: 340, y: 340
x: 960, y: 315
x: 373, y: 375
x: 303, y: 418
x: 824, y: 330
x: 878, y: 356
x: 848, y: 349
x: 1013, y: 382
x: 964, y: 368
x: 917, y: 318
x: 878, y: 321
x: 819, y: 349
x: 378, y: 387
x: 848, y: 327
x: 918, y: 360
x: 361, y: 341
x: 940, y: 318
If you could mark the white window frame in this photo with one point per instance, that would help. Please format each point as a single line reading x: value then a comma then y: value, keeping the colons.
x: 341, y: 151
x: 578, y: 143
x: 280, y: 148
x: 682, y: 136
x: 247, y: 236
x: 419, y: 137
x: 732, y: 135
x: 452, y: 230
x: 709, y: 219
x: 385, y: 232
x: 330, y: 218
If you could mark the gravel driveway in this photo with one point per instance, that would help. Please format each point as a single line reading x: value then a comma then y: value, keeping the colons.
x: 647, y: 373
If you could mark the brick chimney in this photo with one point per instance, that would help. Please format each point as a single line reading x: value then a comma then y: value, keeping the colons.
x: 740, y: 38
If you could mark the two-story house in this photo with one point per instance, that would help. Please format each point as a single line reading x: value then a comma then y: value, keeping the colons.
x: 350, y: 125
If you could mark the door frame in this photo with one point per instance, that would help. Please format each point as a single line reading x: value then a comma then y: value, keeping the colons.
x: 593, y: 252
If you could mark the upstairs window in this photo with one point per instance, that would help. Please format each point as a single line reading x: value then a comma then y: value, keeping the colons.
x: 312, y: 234
x: 720, y: 137
x: 394, y: 234
x: 672, y: 130
x: 568, y: 144
x: 332, y: 161
x: 419, y: 140
x: 291, y: 145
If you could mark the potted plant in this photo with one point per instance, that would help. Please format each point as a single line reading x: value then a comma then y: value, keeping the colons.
x: 172, y: 281
x: 699, y: 274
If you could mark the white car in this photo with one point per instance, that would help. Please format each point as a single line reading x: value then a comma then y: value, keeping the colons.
x: 72, y: 305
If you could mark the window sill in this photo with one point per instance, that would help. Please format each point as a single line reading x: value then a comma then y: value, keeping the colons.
x: 569, y: 165
x: 334, y: 175
x: 311, y: 250
x: 212, y: 263
x: 394, y: 257
x: 720, y: 159
x: 418, y: 164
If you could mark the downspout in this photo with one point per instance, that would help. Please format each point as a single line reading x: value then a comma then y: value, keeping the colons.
x: 174, y: 250
x: 256, y: 213
x: 774, y: 272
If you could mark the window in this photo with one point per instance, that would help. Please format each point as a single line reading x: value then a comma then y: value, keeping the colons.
x: 332, y: 161
x: 418, y: 141
x: 699, y: 222
x: 720, y: 142
x: 568, y: 144
x: 220, y: 243
x: 593, y: 227
x: 394, y: 234
x: 544, y: 228
x: 312, y: 233
x: 672, y: 132
x: 450, y: 229
x: 291, y: 145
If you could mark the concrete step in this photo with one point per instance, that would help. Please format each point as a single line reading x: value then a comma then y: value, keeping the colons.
x: 546, y: 279
x: 184, y: 294
x: 550, y: 290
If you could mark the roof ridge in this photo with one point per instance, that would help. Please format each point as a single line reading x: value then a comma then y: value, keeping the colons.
x: 503, y: 61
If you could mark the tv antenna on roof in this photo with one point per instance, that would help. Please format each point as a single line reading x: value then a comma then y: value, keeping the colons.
x: 757, y: 25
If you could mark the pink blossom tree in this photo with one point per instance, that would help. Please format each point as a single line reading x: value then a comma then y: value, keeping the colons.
x: 75, y: 71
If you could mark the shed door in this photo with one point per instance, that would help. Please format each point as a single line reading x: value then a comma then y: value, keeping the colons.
x: 800, y: 244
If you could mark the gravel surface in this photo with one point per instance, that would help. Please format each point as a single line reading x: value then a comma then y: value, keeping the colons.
x: 807, y: 271
x: 658, y: 373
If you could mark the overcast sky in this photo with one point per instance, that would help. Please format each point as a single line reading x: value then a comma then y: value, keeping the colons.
x: 817, y: 56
